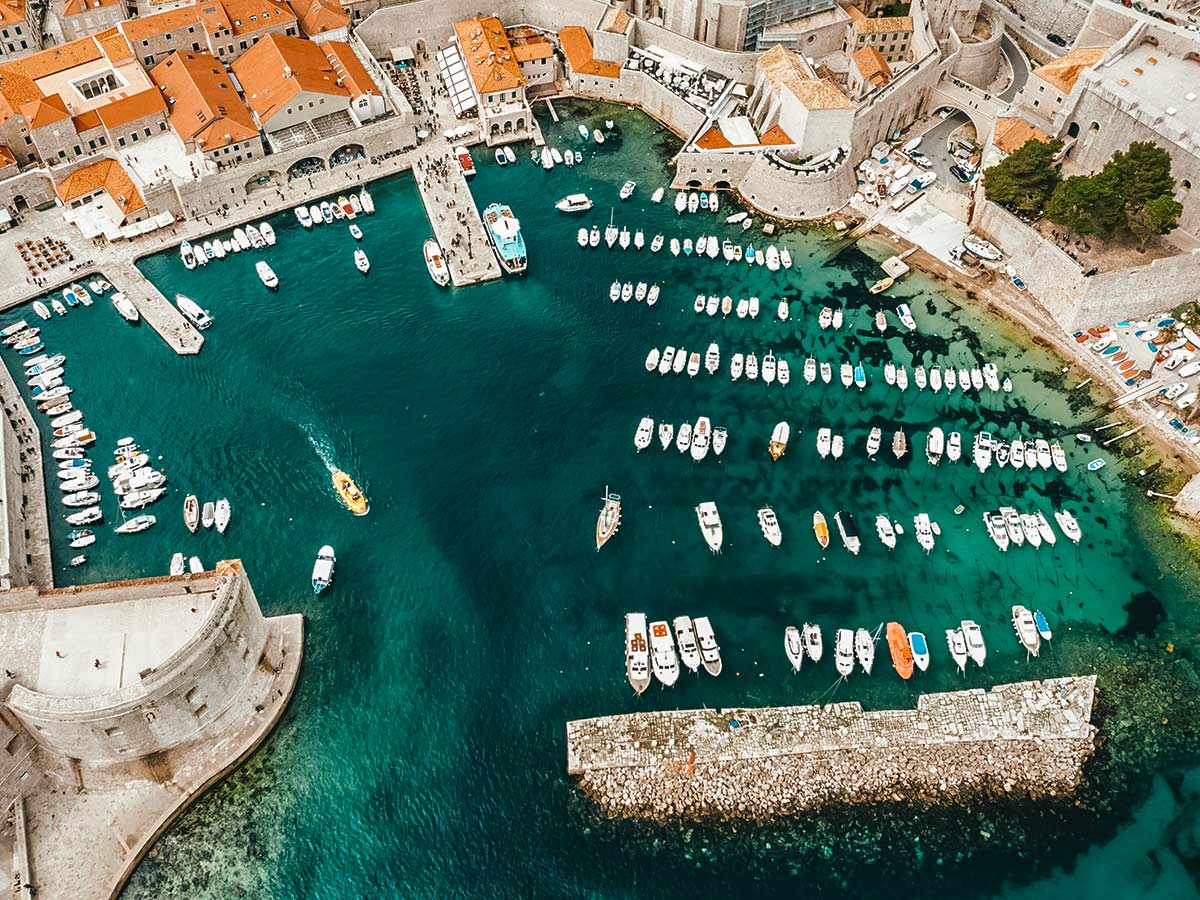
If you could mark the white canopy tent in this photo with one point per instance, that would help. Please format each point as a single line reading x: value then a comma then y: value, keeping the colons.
x: 457, y: 80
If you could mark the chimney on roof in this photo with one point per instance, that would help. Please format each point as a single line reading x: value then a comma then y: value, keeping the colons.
x: 287, y: 71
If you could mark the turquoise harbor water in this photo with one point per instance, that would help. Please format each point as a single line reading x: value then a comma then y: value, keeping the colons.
x: 423, y: 754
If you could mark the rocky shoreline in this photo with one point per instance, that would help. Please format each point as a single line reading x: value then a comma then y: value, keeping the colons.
x: 1029, y: 739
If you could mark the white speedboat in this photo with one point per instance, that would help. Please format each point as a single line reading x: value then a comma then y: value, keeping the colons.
x: 302, y: 216
x: 847, y: 531
x: 923, y: 531
x: 736, y: 365
x: 125, y: 307
x: 958, y: 647
x: 793, y: 646
x: 657, y: 196
x: 864, y: 649
x: 874, y: 441
x: 657, y: 243
x: 195, y: 567
x: 361, y: 262
x: 1070, y: 527
x: 652, y: 359
x: 683, y: 437
x: 186, y: 256
x: 668, y: 357
x: 769, y: 523
x: 935, y: 445
x: 824, y: 441
x: 266, y: 274
x: 685, y: 639
x: 813, y: 644
x: 573, y: 203
x: 681, y: 201
x: 710, y: 653
x: 177, y: 561
x: 637, y: 651
x: 644, y: 434
x: 751, y: 367
x: 322, y: 573
x: 666, y: 433
x: 710, y: 525
x: 192, y: 312
x: 662, y: 654
x: 906, y: 317
x: 221, y: 513
x: 712, y: 359
x: 627, y: 190
x: 887, y: 534
x: 784, y: 372
x: 135, y: 525
x: 976, y: 648
x: 1026, y: 629
x: 768, y: 367
x: 701, y: 438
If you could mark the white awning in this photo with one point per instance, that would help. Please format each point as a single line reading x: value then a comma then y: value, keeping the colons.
x: 453, y: 71
x: 738, y: 131
x: 402, y: 54
x: 165, y: 218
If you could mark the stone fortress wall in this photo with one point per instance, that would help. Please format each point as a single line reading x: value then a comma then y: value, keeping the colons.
x: 978, y: 62
x: 1024, y: 739
x: 1062, y: 17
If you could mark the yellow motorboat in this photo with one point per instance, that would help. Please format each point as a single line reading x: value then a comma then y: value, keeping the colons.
x: 354, y: 499
x: 882, y: 284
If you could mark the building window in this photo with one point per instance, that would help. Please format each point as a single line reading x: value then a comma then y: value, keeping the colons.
x: 147, y: 130
x: 201, y: 710
x: 113, y: 733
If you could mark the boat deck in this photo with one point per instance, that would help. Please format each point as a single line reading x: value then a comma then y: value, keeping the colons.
x: 452, y: 213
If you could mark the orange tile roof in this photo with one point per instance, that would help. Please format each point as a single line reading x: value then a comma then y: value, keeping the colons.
x: 865, y: 24
x: 45, y: 111
x: 713, y: 139
x: 86, y: 120
x: 319, y: 16
x: 577, y: 47
x: 488, y: 55
x: 58, y: 58
x: 530, y: 48
x: 131, y: 108
x: 204, y: 106
x: 1063, y: 72
x: 872, y: 66
x: 107, y: 175
x: 75, y: 7
x: 787, y: 69
x: 775, y: 135
x: 144, y: 27
x: 12, y: 12
x: 278, y: 68
x: 6, y: 157
x: 114, y: 45
x: 1011, y: 134
x: 244, y: 16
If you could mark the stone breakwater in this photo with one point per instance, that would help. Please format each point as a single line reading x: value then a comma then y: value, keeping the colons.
x: 1028, y: 738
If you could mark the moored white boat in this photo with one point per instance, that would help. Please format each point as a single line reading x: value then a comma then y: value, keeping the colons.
x: 685, y: 639
x: 793, y: 646
x: 769, y: 523
x: 710, y: 525
x: 710, y: 653
x: 663, y: 660
x: 637, y: 652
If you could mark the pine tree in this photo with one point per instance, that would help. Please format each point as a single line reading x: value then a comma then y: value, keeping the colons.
x: 1025, y: 179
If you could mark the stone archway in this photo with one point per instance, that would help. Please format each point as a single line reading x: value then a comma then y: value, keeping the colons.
x: 264, y: 181
x: 20, y: 204
x: 694, y: 183
x: 302, y: 168
x: 346, y: 153
x: 722, y: 185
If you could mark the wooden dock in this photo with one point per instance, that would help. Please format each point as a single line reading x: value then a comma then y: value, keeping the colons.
x: 452, y: 213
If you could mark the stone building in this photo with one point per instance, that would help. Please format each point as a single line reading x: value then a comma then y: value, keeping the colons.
x: 205, y: 109
x: 1050, y: 92
x: 134, y: 697
x: 225, y: 28
x: 868, y: 72
x: 534, y: 54
x: 890, y: 35
x: 79, y: 18
x: 497, y: 81
x: 18, y: 33
x: 735, y: 24
x: 106, y: 187
x: 813, y: 112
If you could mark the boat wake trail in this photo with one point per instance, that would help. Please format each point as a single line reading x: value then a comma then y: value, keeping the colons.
x: 299, y: 409
x: 321, y: 443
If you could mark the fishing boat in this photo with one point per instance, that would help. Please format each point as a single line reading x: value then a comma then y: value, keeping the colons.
x: 637, y: 652
x: 882, y: 285
x: 769, y: 523
x: 504, y: 234
x: 685, y: 640
x: 887, y: 534
x: 583, y: 132
x: 322, y: 573
x: 435, y: 263
x: 898, y: 646
x: 662, y: 654
x: 821, y: 529
x: 1096, y: 465
x: 1070, y: 527
x: 609, y: 519
x: 266, y: 274
x: 1026, y: 630
x: 573, y: 203
x: 793, y: 646
x: 191, y: 513
x: 597, y: 136
x: 1043, y: 626
x: 710, y: 653
x: 864, y: 648
x: 957, y: 645
x: 847, y: 531
x: 349, y: 493
x: 192, y: 312
x: 710, y: 525
x: 135, y: 525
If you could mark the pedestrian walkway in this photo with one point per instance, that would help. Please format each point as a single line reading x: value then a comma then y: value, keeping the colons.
x: 455, y: 219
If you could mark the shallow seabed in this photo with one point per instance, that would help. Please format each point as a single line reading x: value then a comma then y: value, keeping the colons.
x: 423, y: 754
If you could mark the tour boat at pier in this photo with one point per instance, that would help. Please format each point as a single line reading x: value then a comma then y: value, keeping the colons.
x: 464, y: 161
x: 813, y: 645
x: 504, y: 233
x: 367, y: 201
x: 125, y: 307
x: 710, y: 525
x: 349, y: 493
x: 769, y: 524
x: 637, y: 652
x: 864, y: 648
x: 322, y: 573
x: 662, y: 653
x: 976, y: 648
x: 303, y: 217
x: 843, y: 647
x: 1026, y: 629
x: 192, y: 312
x: 701, y: 438
x: 793, y: 646
x: 609, y: 519
x: 435, y: 262
x: 685, y: 639
x: 710, y: 653
x: 902, y: 656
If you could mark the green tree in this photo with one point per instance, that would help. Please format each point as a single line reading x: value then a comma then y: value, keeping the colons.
x: 1158, y: 215
x: 1026, y: 178
x: 1140, y: 174
x: 1086, y: 205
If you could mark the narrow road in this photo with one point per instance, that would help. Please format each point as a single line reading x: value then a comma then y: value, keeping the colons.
x: 1020, y: 67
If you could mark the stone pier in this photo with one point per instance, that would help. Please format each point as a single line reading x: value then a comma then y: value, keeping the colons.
x: 159, y: 313
x: 1027, y: 739
x: 445, y: 193
x: 25, y: 532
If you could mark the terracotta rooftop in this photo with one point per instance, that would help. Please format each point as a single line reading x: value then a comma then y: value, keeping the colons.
x: 531, y: 46
x: 577, y: 47
x: 144, y: 27
x: 107, y: 175
x: 6, y: 157
x: 872, y: 66
x: 204, y: 108
x: 45, y: 111
x: 616, y: 20
x: 244, y: 16
x: 320, y: 16
x: 12, y: 12
x: 785, y: 69
x: 1011, y: 134
x: 75, y: 7
x: 865, y: 24
x: 488, y: 55
x: 86, y: 120
x: 131, y: 108
x: 1063, y: 72
x: 278, y: 68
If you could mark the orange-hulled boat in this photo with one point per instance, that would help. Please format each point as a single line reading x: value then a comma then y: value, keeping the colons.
x: 821, y: 528
x: 902, y: 658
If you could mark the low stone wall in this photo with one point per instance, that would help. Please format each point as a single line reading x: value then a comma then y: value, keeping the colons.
x: 708, y: 169
x: 1062, y: 17
x: 785, y: 193
x: 1025, y: 739
x: 639, y: 89
x: 1133, y: 293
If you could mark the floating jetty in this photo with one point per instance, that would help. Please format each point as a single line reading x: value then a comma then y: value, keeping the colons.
x: 1028, y: 739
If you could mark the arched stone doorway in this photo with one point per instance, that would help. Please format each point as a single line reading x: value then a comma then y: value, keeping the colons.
x: 346, y: 154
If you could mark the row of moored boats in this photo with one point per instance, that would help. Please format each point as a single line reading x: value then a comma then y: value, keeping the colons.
x: 771, y: 257
x: 248, y: 237
x: 660, y: 647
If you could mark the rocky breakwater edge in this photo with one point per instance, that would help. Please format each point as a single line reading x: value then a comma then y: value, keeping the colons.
x: 1025, y: 739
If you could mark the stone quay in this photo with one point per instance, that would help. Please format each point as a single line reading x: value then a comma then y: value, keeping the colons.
x: 1025, y: 739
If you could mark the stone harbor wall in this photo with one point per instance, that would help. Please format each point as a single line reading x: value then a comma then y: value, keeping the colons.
x: 1023, y: 739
